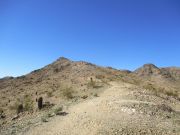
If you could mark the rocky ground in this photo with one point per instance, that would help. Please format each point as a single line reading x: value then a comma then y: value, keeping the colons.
x: 122, y: 109
x: 99, y: 101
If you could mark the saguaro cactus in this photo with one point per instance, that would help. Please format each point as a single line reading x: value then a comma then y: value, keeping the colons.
x: 40, y: 103
x: 20, y: 108
x: 91, y: 79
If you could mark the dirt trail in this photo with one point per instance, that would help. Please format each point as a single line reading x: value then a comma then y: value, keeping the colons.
x: 108, y: 114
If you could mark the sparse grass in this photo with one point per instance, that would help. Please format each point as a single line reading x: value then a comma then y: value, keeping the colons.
x: 159, y: 91
x: 68, y: 93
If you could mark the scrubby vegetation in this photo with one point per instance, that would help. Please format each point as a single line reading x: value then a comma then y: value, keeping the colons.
x: 93, y: 84
x: 68, y: 93
x: 58, y: 110
x: 28, y: 104
x: 44, y: 118
x: 159, y: 90
x: 49, y: 94
x: 172, y: 93
x: 17, y: 106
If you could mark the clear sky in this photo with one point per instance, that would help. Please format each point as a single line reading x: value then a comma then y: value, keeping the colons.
x: 124, y: 34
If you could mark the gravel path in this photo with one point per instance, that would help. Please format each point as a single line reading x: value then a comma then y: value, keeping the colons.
x: 113, y: 113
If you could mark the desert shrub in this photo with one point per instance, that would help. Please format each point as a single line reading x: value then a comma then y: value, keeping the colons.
x: 21, y: 77
x: 100, y: 77
x: 49, y: 93
x: 58, y: 110
x: 165, y: 108
x: 35, y: 71
x: 110, y: 67
x: 159, y: 91
x: 68, y: 93
x: 44, y: 118
x: 172, y: 93
x: 153, y: 89
x: 49, y: 115
x: 56, y: 70
x: 17, y: 106
x: 28, y: 104
x: 95, y: 95
x: 84, y: 97
x: 149, y: 87
x: 91, y: 83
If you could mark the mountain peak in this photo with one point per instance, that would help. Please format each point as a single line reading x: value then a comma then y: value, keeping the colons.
x: 149, y: 65
x: 148, y: 70
x: 63, y: 59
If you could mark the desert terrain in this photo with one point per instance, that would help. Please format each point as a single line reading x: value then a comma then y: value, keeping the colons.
x: 80, y: 98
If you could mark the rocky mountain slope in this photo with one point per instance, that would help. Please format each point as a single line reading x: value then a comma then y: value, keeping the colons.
x: 91, y: 100
x: 150, y: 70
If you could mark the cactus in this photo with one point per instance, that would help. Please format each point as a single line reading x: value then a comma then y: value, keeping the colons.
x: 40, y: 103
x: 20, y: 108
x: 91, y: 79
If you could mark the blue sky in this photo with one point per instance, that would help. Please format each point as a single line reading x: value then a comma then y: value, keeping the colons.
x: 124, y: 34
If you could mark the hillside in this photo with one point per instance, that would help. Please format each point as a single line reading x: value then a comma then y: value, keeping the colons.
x: 93, y: 100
